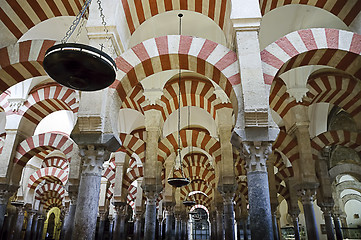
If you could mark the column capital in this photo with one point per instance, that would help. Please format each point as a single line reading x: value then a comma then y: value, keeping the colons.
x: 103, y: 215
x: 6, y: 191
x: 152, y: 192
x: 228, y: 192
x: 307, y: 193
x: 169, y: 207
x: 256, y: 154
x: 120, y: 208
x: 138, y: 215
x: 93, y: 158
x: 20, y: 207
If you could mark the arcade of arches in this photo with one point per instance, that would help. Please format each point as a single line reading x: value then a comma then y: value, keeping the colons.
x: 269, y: 131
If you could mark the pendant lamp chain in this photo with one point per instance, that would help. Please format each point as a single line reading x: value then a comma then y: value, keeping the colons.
x: 104, y: 24
x: 179, y: 99
x: 75, y: 23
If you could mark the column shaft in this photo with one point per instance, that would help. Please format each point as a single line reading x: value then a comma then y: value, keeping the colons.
x: 169, y: 231
x: 29, y: 225
x: 259, y: 205
x: 296, y: 228
x: 119, y: 221
x: 275, y: 227
x: 219, y: 216
x: 336, y: 221
x: 228, y: 220
x: 2, y: 215
x: 111, y: 226
x: 68, y: 224
x: 178, y: 228
x: 150, y: 219
x: 16, y: 234
x: 88, y: 193
x: 245, y: 233
x: 329, y: 227
x: 310, y: 219
x: 137, y: 227
x: 34, y: 227
x: 101, y: 225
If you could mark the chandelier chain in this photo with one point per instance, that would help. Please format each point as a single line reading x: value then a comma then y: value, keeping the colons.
x: 102, y: 16
x: 76, y: 22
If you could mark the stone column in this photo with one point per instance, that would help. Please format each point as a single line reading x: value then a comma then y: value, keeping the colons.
x: 294, y: 214
x: 219, y: 217
x: 273, y: 194
x: 307, y: 195
x: 336, y: 221
x: 119, y: 220
x: 184, y: 226
x: 20, y: 210
x: 160, y: 227
x: 102, y: 217
x: 40, y: 227
x: 29, y: 225
x: 34, y: 227
x: 6, y: 192
x: 258, y: 192
x: 244, y: 223
x: 151, y: 192
x: 213, y: 220
x: 8, y: 223
x: 111, y: 226
x: 68, y: 224
x: 138, y: 225
x: 178, y: 226
x: 326, y: 209
x: 169, y: 219
x: 228, y: 193
x: 89, y: 189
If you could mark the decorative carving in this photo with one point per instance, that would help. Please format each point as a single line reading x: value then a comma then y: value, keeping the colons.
x: 152, y: 192
x: 103, y: 215
x: 6, y: 191
x: 297, y: 93
x: 16, y: 103
x: 307, y: 195
x: 93, y: 158
x: 153, y: 96
x: 256, y: 154
x: 256, y: 117
x: 120, y: 208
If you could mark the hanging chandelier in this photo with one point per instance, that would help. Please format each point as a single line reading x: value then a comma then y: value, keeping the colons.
x: 181, y: 180
x: 79, y: 66
x: 188, y: 203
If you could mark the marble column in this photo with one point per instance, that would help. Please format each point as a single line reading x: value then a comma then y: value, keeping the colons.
x: 151, y: 192
x: 169, y: 219
x: 160, y: 227
x: 296, y: 228
x: 68, y: 224
x: 177, y: 226
x: 20, y: 210
x: 328, y: 222
x: 213, y: 220
x: 102, y: 217
x: 29, y: 224
x: 119, y: 220
x: 6, y: 191
x: 219, y: 217
x: 111, y: 226
x: 8, y: 223
x: 336, y: 222
x: 256, y: 154
x: 239, y: 227
x: 40, y: 227
x: 89, y: 189
x: 244, y: 224
x: 307, y: 196
x: 34, y: 226
x: 138, y: 225
x: 184, y: 226
x: 228, y: 193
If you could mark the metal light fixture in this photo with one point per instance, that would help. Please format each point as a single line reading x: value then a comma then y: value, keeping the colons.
x: 80, y: 66
x: 182, y: 180
x: 188, y: 203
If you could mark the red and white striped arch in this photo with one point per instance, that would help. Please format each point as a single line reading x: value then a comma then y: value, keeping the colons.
x: 287, y: 145
x: 133, y: 144
x: 47, y: 100
x: 135, y: 99
x: 39, y: 143
x: 317, y: 46
x: 283, y: 191
x: 205, y: 57
x: 342, y: 91
x: 197, y: 185
x: 131, y: 176
x: 197, y: 159
x: 347, y: 11
x: 53, y: 202
x: 198, y: 173
x: 17, y: 17
x: 54, y: 190
x: 339, y: 137
x: 22, y: 61
x: 284, y: 174
x: 57, y: 162
x: 51, y: 174
x: 137, y: 12
x: 195, y: 92
x: 194, y: 138
x: 279, y: 100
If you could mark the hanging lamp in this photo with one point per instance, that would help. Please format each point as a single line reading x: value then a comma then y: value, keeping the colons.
x: 182, y: 180
x: 79, y: 66
x: 188, y: 203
